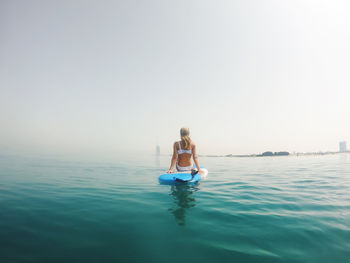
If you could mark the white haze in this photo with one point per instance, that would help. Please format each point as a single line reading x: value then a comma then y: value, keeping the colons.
x: 114, y: 77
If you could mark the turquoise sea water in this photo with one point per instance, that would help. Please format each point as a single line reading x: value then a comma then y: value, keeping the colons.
x: 279, y: 209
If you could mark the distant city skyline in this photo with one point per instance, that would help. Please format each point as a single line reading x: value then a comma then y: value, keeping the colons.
x: 119, y: 77
x: 342, y: 146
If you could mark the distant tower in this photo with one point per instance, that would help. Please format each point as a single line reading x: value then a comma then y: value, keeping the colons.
x: 157, y: 150
x: 342, y: 146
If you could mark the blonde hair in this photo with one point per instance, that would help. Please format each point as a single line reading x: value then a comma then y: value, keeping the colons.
x: 185, y: 138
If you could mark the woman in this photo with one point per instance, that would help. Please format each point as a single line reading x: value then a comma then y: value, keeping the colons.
x: 183, y: 151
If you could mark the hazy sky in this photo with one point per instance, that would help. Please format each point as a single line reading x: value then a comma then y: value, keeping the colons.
x: 120, y: 76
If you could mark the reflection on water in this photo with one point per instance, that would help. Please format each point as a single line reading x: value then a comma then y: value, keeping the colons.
x: 183, y: 199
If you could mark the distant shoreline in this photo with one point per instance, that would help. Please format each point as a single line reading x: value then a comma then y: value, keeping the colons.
x: 274, y: 155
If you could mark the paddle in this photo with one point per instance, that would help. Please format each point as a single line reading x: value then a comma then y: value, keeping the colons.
x: 193, y: 173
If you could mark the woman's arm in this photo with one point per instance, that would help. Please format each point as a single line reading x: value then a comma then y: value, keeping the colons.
x: 195, y: 158
x: 173, y: 160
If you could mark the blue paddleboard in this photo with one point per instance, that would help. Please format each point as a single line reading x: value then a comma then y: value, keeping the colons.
x: 171, y: 178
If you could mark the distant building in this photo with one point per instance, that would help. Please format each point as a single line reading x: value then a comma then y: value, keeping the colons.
x: 342, y: 146
x: 157, y: 150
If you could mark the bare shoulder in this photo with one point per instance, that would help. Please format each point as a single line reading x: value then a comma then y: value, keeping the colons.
x: 193, y: 145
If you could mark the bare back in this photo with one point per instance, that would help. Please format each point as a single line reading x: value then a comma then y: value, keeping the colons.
x: 184, y: 159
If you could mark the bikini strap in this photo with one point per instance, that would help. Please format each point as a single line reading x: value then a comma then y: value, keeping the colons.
x: 179, y: 145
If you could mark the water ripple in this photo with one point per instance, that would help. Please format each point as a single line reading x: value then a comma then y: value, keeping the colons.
x: 248, y: 210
